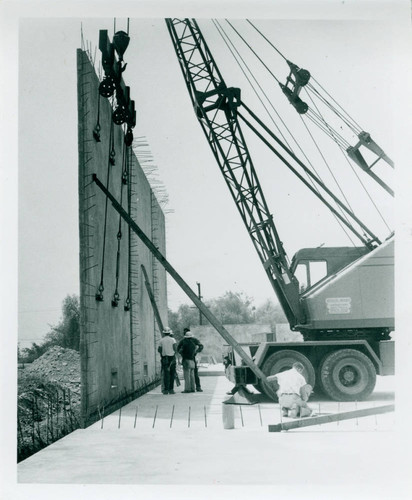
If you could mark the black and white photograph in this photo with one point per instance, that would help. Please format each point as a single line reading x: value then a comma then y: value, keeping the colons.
x: 201, y: 290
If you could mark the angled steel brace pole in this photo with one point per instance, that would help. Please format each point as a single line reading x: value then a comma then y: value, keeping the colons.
x: 183, y: 285
x: 152, y: 299
x: 326, y: 419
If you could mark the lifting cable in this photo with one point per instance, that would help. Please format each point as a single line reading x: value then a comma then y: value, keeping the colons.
x: 127, y: 304
x: 123, y: 182
x: 367, y: 192
x: 343, y: 149
x: 222, y: 32
x: 271, y: 134
x: 324, y: 159
x: 326, y: 128
x: 248, y: 45
x: 270, y: 116
x: 328, y: 101
x: 97, y: 128
x: 346, y: 118
x: 367, y: 241
x: 268, y: 112
x: 99, y: 294
x: 333, y: 176
x: 317, y: 118
x: 269, y: 42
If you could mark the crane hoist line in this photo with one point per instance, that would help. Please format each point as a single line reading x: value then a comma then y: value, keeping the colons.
x: 300, y: 81
x: 345, y: 318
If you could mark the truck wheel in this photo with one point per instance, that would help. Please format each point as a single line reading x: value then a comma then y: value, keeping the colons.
x: 283, y: 360
x: 347, y: 375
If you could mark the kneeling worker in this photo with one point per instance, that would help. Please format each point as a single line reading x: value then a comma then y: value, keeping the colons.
x: 293, y: 391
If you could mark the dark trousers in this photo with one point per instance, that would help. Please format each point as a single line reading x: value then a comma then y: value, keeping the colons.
x: 197, y: 379
x: 169, y: 371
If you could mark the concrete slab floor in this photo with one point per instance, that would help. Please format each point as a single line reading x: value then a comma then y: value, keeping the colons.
x: 179, y: 439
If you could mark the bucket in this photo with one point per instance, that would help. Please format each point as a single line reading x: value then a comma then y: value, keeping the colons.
x: 228, y: 416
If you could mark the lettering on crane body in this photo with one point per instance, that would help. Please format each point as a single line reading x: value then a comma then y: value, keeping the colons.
x: 339, y: 305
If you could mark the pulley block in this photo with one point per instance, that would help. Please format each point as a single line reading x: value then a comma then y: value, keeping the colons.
x: 107, y: 87
x: 128, y: 138
x: 119, y: 115
x: 121, y: 42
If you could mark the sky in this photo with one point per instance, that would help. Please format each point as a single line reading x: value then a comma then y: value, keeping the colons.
x: 206, y: 241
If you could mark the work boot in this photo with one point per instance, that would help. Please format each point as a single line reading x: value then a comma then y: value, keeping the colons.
x: 305, y: 412
x: 294, y: 411
x: 199, y: 389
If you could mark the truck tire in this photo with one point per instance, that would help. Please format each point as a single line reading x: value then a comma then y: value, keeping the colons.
x: 347, y: 375
x: 283, y: 360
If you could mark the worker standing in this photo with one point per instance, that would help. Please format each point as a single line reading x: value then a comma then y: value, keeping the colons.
x: 187, y: 348
x: 199, y: 349
x: 167, y: 350
x: 293, y: 391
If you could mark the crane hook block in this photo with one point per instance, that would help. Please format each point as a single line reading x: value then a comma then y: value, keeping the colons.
x: 121, y: 42
x: 300, y: 106
x: 298, y: 78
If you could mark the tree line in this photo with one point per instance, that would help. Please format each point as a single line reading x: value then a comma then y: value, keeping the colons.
x: 232, y: 308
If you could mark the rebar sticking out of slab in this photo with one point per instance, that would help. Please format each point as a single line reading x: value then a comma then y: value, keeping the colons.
x: 135, y: 418
x: 171, y: 418
x: 154, y: 418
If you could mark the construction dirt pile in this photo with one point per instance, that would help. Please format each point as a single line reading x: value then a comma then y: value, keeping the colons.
x: 59, y: 365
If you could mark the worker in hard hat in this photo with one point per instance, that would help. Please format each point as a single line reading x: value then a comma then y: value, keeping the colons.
x: 293, y: 392
x: 167, y: 350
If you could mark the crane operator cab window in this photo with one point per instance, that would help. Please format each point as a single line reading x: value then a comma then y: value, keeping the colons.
x: 311, y: 265
x: 310, y: 272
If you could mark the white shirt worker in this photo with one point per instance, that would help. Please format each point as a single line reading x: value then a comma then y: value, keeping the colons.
x: 167, y: 345
x: 290, y: 382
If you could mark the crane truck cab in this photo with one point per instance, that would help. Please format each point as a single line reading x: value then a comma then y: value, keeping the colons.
x: 349, y: 313
x: 311, y: 265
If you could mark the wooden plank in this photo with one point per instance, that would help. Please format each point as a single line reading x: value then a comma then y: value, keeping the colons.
x: 326, y: 419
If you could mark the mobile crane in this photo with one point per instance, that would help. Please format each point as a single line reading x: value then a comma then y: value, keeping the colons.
x: 345, y: 316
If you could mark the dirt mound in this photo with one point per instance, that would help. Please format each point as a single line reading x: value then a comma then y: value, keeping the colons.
x: 59, y: 365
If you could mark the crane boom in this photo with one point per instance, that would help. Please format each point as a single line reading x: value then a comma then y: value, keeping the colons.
x: 216, y: 106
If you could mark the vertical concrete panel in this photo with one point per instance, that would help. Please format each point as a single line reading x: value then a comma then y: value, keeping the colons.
x: 117, y: 345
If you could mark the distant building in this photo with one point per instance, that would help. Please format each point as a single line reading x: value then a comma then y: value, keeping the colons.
x: 285, y: 334
x: 213, y: 342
